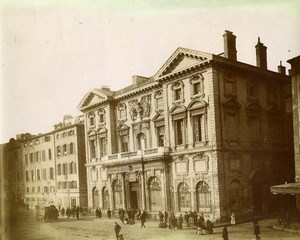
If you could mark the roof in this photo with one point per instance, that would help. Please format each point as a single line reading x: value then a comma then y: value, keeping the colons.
x: 288, y: 188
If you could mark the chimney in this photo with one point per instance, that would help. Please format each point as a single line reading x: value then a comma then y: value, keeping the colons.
x: 229, y: 45
x: 261, y: 55
x: 137, y: 80
x: 281, y: 69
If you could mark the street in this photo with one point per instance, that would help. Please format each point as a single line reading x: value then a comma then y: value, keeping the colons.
x: 24, y: 226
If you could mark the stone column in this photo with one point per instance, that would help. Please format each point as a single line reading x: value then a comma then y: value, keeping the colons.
x: 123, y: 191
x: 143, y: 190
x: 163, y: 189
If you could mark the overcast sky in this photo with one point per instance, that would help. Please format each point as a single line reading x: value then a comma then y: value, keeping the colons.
x: 52, y: 53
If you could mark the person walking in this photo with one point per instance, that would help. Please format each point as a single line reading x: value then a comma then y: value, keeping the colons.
x: 117, y: 230
x: 143, y: 218
x: 108, y: 213
x: 256, y: 231
x: 232, y: 219
x: 225, y: 233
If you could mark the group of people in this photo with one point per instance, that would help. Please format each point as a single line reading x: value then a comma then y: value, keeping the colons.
x: 256, y: 228
x: 73, y: 211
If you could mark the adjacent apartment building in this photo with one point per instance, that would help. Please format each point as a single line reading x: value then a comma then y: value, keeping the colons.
x: 206, y: 133
x: 54, y: 171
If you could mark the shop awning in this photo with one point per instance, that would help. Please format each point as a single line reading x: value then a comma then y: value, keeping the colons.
x: 288, y: 188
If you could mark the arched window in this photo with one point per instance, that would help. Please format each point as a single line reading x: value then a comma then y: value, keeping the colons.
x: 235, y: 196
x: 95, y: 195
x: 203, y: 197
x: 155, y: 194
x: 184, y: 197
x: 105, y: 198
x: 117, y: 193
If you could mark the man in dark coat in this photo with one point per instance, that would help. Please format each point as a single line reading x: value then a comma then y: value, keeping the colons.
x: 117, y: 230
x: 108, y: 213
x: 256, y: 231
x: 225, y: 233
x: 143, y: 218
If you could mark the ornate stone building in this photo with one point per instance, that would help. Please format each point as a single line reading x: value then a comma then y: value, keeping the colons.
x: 54, y: 171
x: 206, y: 133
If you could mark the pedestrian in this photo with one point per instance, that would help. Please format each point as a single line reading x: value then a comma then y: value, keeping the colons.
x: 121, y: 237
x: 161, y: 217
x: 209, y: 226
x: 62, y: 211
x: 225, y: 233
x: 77, y: 211
x: 180, y: 221
x: 97, y: 212
x: 100, y: 213
x: 108, y: 213
x: 68, y: 212
x: 117, y: 230
x: 256, y: 231
x: 232, y: 219
x: 37, y: 211
x: 143, y: 218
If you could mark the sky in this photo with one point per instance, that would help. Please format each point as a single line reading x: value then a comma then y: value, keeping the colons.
x: 54, y: 52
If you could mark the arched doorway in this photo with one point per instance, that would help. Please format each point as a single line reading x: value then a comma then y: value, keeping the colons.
x: 184, y: 197
x: 155, y: 194
x: 95, y: 195
x: 105, y: 198
x: 203, y: 197
x: 235, y: 195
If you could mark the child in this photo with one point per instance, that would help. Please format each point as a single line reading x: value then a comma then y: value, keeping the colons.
x: 121, y: 237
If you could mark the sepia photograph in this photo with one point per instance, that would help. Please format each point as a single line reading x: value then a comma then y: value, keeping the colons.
x: 149, y: 119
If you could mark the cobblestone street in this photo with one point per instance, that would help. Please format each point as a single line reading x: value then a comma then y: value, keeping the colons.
x: 25, y: 227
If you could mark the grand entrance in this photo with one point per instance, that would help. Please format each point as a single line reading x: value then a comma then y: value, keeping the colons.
x: 134, y: 195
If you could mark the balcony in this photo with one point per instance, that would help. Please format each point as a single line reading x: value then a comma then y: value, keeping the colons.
x: 137, y: 155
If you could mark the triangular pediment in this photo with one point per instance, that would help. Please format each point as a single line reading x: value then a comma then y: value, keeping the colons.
x: 231, y: 103
x: 91, y: 98
x: 253, y: 107
x: 158, y: 116
x: 181, y: 59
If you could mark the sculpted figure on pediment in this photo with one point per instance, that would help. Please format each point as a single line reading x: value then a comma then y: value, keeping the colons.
x: 140, y: 108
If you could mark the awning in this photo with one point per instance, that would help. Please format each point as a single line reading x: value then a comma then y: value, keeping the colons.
x: 288, y: 188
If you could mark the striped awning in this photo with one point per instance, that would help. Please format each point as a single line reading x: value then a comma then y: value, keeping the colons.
x: 288, y: 188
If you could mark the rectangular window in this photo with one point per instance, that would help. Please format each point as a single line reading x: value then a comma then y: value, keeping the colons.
x: 31, y: 157
x: 58, y: 151
x: 160, y: 103
x: 32, y: 176
x: 26, y: 158
x: 101, y: 117
x: 65, y: 169
x: 196, y: 88
x: 37, y: 156
x: 51, y: 173
x: 254, y: 130
x: 92, y: 121
x: 231, y: 127
x: 179, y: 132
x: 49, y: 154
x: 38, y: 174
x: 177, y: 94
x: 124, y: 143
x: 102, y: 146
x: 197, y: 128
x: 92, y: 148
x: 161, y: 136
x: 44, y: 174
x: 43, y: 155
x: 65, y: 149
x: 27, y: 176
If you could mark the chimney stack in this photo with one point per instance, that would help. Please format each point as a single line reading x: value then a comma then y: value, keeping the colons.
x: 261, y: 55
x: 229, y: 45
x: 281, y: 69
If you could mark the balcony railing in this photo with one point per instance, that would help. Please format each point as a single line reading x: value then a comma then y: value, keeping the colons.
x: 135, y: 155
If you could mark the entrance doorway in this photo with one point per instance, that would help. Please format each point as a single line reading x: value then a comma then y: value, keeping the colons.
x: 134, y: 195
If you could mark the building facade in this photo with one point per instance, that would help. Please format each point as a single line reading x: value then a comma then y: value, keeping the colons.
x: 206, y: 133
x: 54, y: 171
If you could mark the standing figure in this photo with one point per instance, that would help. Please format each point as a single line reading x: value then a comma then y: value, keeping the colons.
x: 143, y: 218
x: 117, y: 230
x: 232, y: 219
x: 209, y: 226
x: 62, y: 211
x: 225, y: 233
x: 161, y: 217
x: 97, y: 212
x: 37, y: 211
x: 77, y: 211
x: 256, y: 231
x: 180, y: 221
x: 108, y: 213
